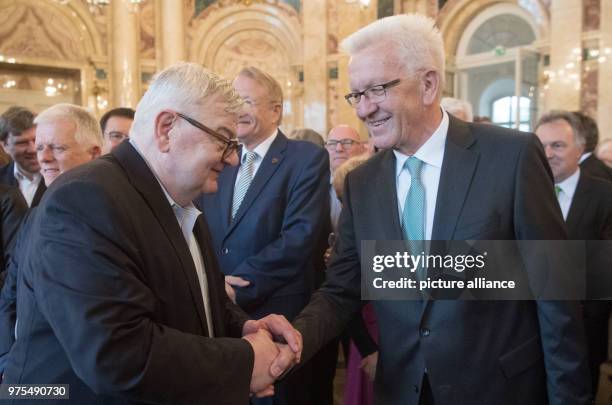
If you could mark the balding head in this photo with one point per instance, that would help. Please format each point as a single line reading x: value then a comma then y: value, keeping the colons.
x: 343, y: 142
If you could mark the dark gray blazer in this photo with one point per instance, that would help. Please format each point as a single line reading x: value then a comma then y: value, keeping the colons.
x: 495, y: 184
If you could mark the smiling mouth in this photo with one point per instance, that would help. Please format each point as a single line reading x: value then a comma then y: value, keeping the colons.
x: 378, y: 123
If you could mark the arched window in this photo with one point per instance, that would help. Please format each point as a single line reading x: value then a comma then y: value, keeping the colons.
x: 504, y: 112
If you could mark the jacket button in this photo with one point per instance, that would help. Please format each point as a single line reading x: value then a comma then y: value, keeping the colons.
x: 224, y: 251
x: 424, y: 332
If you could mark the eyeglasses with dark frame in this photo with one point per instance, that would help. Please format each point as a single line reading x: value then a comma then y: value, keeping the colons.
x: 375, y: 94
x: 231, y: 145
x: 347, y: 144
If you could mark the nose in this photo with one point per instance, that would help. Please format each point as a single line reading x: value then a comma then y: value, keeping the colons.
x: 365, y: 108
x: 339, y: 148
x: 44, y: 155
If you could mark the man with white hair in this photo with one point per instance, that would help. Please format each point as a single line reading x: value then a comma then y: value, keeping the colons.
x: 439, y: 178
x: 119, y: 295
x: 66, y: 136
x: 459, y: 108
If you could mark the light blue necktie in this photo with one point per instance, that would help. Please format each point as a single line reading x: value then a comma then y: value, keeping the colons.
x: 413, y: 215
x: 242, y: 186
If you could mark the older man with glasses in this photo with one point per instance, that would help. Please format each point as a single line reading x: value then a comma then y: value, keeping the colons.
x: 442, y: 179
x: 343, y: 142
x: 119, y: 295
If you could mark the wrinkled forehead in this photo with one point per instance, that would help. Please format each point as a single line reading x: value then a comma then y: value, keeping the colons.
x: 373, y: 65
x: 56, y: 131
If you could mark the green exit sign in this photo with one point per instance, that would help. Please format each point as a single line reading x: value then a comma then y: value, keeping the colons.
x: 499, y: 50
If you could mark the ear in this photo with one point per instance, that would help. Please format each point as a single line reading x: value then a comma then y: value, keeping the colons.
x: 95, y: 152
x: 164, y: 122
x: 277, y: 110
x: 430, y: 83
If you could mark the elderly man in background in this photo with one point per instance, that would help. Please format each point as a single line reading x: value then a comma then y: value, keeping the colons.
x: 343, y: 142
x: 66, y: 136
x: 586, y: 204
x: 118, y: 294
x: 459, y: 108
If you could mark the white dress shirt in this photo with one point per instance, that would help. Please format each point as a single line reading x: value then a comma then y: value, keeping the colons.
x: 431, y: 153
x: 28, y: 183
x: 260, y: 151
x: 186, y: 217
x: 566, y: 194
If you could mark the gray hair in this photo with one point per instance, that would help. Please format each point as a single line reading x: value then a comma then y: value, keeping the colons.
x: 570, y: 118
x: 458, y: 107
x: 415, y: 38
x: 307, y: 134
x: 182, y: 86
x: 87, y: 130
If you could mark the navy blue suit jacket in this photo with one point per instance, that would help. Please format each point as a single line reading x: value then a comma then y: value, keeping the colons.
x: 271, y: 240
x: 495, y: 184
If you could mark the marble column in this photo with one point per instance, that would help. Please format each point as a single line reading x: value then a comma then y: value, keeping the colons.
x: 315, y: 65
x: 172, y: 33
x: 125, y: 54
x: 565, y: 53
x: 352, y: 19
x: 604, y: 102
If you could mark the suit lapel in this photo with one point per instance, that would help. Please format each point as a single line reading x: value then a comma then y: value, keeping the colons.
x: 227, y: 181
x: 458, y: 168
x: 40, y: 190
x: 386, y: 185
x: 7, y: 175
x: 579, y: 205
x: 143, y: 179
x: 269, y: 164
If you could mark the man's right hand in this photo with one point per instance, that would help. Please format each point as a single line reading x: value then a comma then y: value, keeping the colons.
x: 265, y: 352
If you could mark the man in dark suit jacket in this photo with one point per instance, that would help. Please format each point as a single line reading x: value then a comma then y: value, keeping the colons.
x: 17, y: 134
x: 476, y: 183
x: 267, y: 216
x: 57, y: 125
x: 12, y: 209
x: 589, y: 163
x: 586, y: 204
x: 119, y: 293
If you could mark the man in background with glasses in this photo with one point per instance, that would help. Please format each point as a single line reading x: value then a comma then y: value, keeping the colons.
x: 116, y: 125
x: 268, y: 214
x: 343, y: 142
x: 119, y: 294
x: 439, y: 178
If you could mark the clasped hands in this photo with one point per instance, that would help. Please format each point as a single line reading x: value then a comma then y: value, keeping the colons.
x: 271, y: 358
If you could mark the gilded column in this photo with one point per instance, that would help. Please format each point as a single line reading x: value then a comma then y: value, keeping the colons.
x: 125, y: 54
x: 315, y: 65
x: 172, y: 33
x: 565, y: 55
x: 604, y: 102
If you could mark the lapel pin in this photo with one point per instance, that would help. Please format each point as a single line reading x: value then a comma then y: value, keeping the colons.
x: 274, y: 160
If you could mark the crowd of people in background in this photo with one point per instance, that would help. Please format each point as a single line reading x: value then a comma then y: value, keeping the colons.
x: 171, y: 254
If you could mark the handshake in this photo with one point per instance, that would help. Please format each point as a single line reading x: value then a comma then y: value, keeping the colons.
x: 272, y: 358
